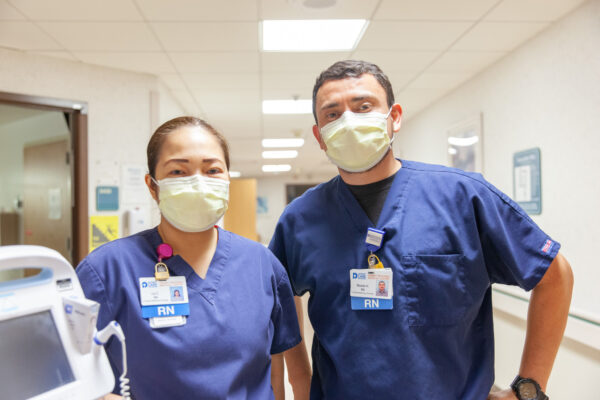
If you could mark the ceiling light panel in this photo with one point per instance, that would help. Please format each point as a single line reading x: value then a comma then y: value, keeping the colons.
x: 276, y: 168
x: 312, y: 34
x: 274, y: 154
x: 289, y: 142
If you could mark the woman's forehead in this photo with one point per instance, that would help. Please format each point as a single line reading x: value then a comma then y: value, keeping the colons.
x: 191, y: 141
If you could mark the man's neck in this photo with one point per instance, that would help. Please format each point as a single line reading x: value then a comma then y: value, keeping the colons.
x: 387, y: 167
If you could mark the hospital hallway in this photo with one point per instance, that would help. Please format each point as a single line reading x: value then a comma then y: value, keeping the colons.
x: 491, y: 124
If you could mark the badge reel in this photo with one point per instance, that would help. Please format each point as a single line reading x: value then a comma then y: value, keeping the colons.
x: 164, y: 298
x: 372, y: 288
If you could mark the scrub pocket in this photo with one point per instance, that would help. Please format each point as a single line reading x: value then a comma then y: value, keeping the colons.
x: 435, y: 289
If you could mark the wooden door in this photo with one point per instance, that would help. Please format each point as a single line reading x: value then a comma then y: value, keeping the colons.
x: 47, y: 213
x: 240, y: 217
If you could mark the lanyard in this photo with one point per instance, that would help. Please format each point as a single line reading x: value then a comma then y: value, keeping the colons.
x: 161, y: 272
x: 374, y: 242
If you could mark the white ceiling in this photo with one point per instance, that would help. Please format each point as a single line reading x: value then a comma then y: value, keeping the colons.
x: 207, y: 52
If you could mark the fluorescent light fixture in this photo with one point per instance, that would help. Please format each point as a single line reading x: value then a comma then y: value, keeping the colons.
x: 312, y: 34
x: 287, y: 106
x: 276, y: 168
x: 291, y: 142
x: 463, y: 141
x: 280, y: 154
x: 235, y: 174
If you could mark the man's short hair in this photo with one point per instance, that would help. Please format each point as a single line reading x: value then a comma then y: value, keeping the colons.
x: 352, y: 69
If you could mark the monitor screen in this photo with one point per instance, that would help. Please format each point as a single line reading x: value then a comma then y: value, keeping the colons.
x: 33, y: 358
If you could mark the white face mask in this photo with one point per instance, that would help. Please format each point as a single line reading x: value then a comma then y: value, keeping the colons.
x: 357, y: 141
x: 193, y: 203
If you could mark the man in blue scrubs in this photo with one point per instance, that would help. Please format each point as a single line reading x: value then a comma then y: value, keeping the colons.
x: 447, y: 236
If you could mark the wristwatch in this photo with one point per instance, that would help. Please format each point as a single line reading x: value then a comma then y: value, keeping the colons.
x: 527, y: 389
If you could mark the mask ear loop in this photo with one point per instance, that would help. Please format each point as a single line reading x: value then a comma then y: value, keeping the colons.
x: 393, y: 133
x: 157, y: 186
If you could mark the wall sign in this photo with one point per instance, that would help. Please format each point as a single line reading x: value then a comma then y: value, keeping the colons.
x: 527, y: 180
x: 107, y: 198
x: 103, y: 229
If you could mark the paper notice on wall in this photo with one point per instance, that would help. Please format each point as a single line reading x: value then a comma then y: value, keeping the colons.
x: 133, y: 186
x: 103, y: 229
x: 54, y: 203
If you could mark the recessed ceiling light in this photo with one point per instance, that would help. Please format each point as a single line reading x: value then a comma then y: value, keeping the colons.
x: 276, y: 168
x: 280, y: 154
x: 312, y: 34
x: 287, y: 106
x: 291, y: 142
x: 235, y: 174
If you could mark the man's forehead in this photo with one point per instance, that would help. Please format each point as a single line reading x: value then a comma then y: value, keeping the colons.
x: 363, y: 86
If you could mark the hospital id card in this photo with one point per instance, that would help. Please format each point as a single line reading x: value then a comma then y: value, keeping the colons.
x: 166, y: 298
x: 371, y: 289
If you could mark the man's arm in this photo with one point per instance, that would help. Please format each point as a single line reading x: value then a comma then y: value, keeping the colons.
x: 296, y: 360
x: 546, y: 321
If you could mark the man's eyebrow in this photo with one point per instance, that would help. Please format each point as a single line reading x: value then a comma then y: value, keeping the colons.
x: 327, y: 106
x: 355, y: 99
x: 361, y: 98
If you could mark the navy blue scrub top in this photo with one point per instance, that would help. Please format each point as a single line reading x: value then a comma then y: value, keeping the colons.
x: 448, y: 236
x: 239, y: 315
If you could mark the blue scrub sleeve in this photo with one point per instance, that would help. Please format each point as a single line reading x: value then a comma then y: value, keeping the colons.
x: 277, y: 247
x: 94, y: 289
x: 516, y: 250
x: 284, y: 317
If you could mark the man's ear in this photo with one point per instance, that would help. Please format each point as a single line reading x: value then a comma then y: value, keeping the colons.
x: 396, y: 115
x: 151, y: 187
x: 317, y: 136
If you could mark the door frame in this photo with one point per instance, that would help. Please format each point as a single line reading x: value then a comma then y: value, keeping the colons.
x: 77, y: 111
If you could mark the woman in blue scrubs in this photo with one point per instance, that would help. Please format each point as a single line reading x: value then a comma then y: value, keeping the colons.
x: 241, y: 307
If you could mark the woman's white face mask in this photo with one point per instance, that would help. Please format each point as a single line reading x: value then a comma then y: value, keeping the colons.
x: 193, y: 203
x: 357, y: 142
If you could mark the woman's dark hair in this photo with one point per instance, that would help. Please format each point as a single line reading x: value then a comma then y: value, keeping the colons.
x: 159, y: 136
x: 352, y: 69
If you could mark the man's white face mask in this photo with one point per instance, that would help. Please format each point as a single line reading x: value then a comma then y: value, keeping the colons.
x: 357, y: 142
x: 193, y: 203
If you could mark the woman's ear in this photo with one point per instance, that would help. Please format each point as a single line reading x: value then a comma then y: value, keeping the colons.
x: 152, y: 187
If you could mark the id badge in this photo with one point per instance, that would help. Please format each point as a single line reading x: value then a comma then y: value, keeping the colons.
x: 168, y: 298
x: 371, y: 289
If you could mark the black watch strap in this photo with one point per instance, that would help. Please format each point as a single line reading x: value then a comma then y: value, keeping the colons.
x: 527, y: 388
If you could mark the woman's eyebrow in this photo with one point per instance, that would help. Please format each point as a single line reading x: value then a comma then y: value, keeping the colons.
x: 177, y: 160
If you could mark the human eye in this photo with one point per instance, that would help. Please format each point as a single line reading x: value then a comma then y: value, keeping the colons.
x: 364, y: 107
x: 332, y: 116
x: 176, y: 172
x: 214, y: 171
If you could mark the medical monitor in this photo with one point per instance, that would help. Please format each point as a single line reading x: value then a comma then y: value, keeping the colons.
x: 33, y: 349
x: 41, y: 357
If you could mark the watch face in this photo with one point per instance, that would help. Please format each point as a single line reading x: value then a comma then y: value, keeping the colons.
x: 527, y: 391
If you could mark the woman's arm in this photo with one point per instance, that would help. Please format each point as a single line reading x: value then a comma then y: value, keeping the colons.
x: 277, y: 381
x: 296, y: 360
